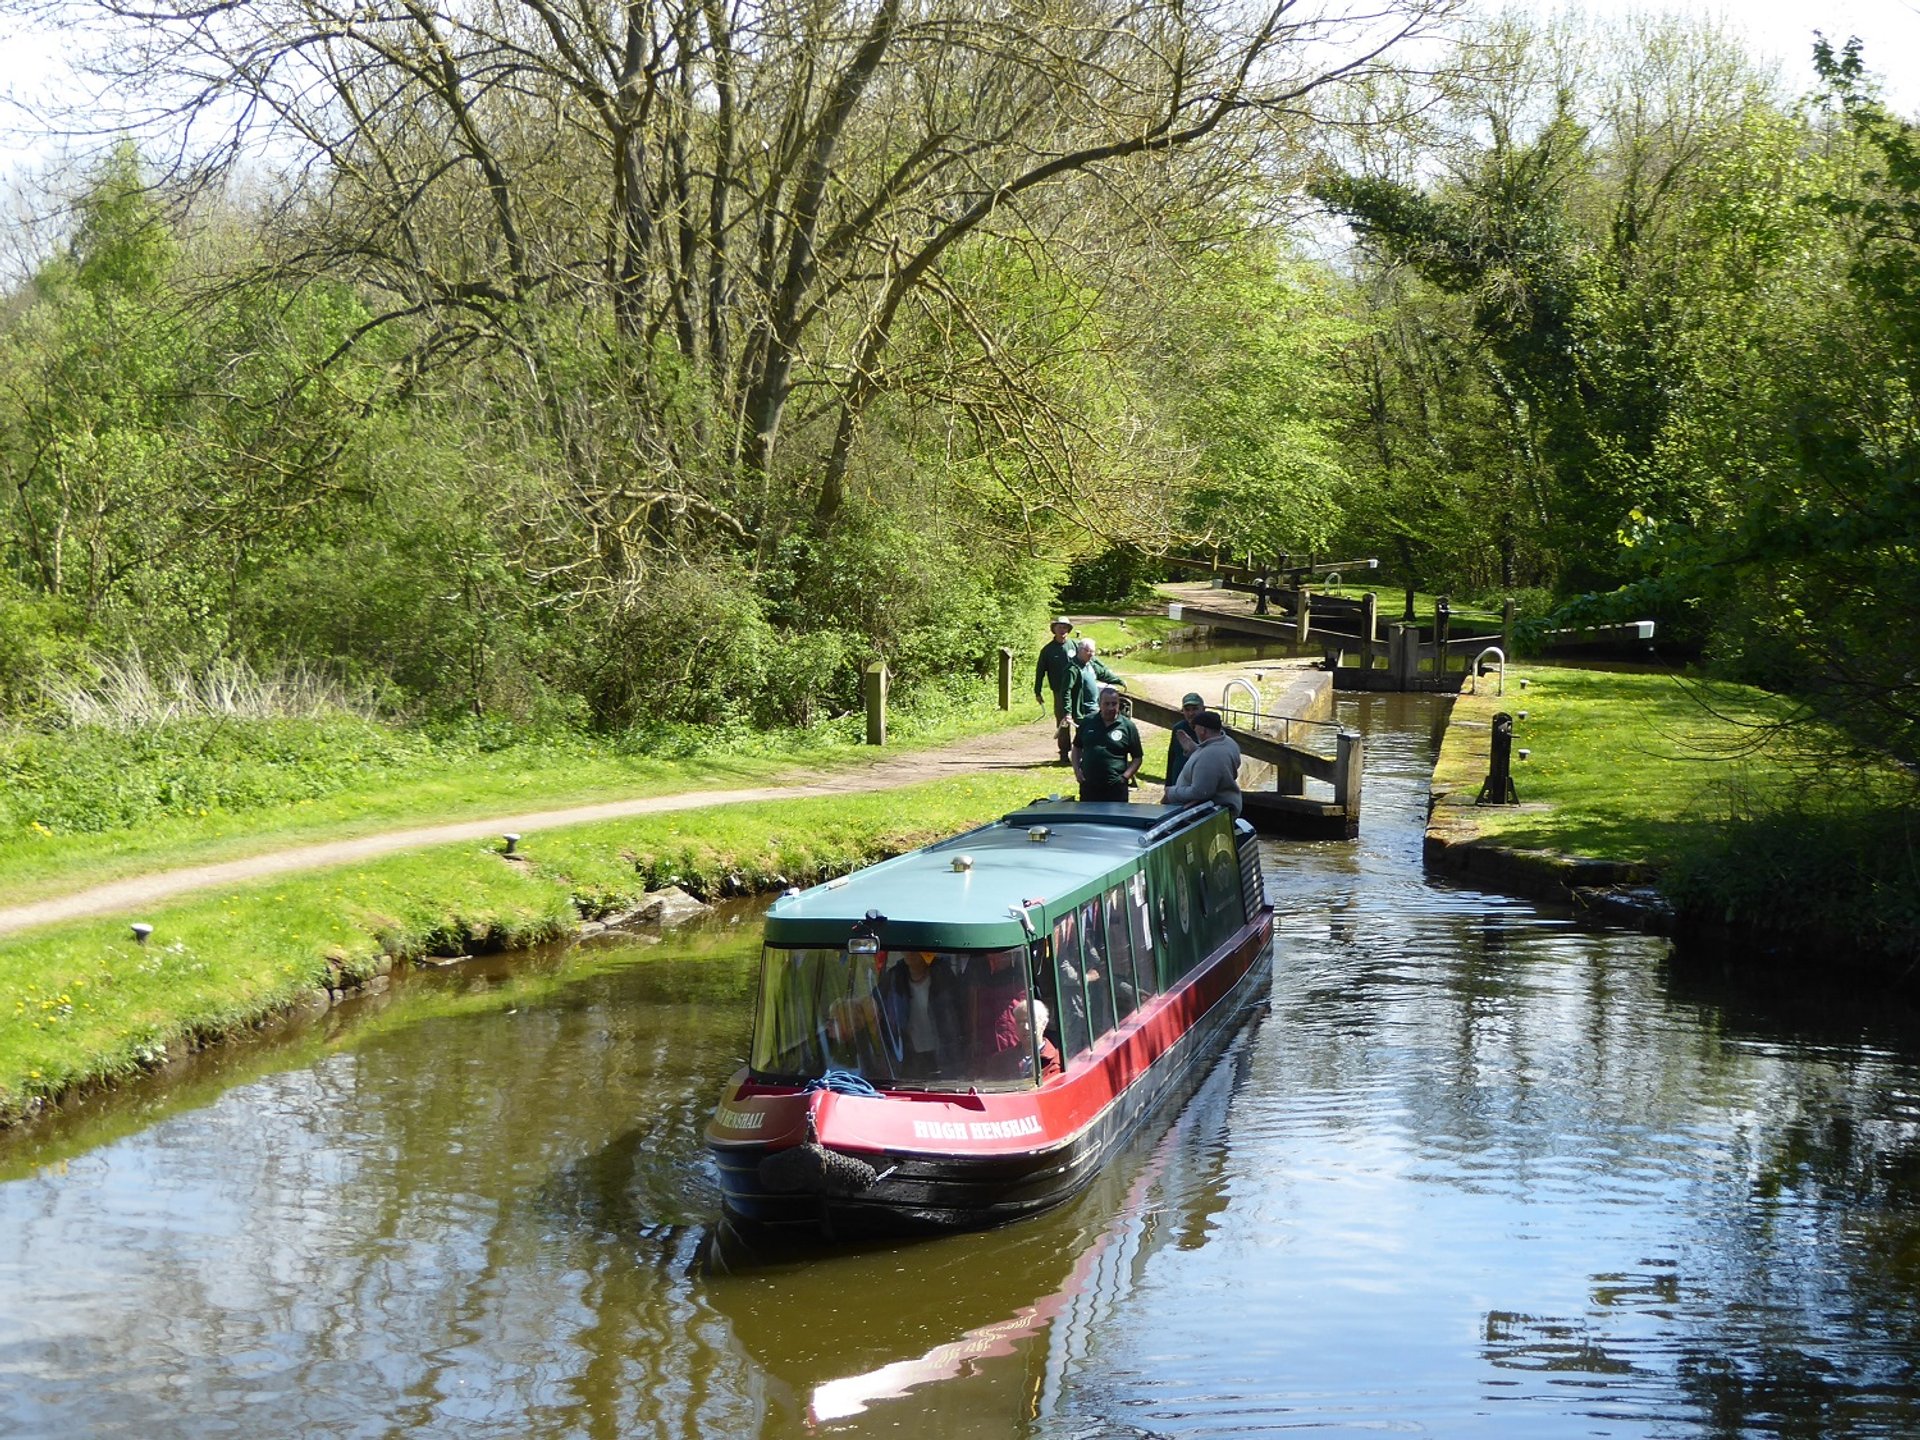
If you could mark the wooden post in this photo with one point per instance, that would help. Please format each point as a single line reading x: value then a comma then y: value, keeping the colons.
x: 1442, y: 631
x: 1369, y: 628
x: 1006, y: 678
x: 873, y: 685
x: 1403, y: 654
x: 1508, y: 614
x: 1289, y: 778
x: 1346, y: 778
x: 1302, y: 620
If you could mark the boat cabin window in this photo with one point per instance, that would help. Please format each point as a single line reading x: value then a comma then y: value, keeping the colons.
x: 907, y: 1019
x: 1140, y: 927
x: 1126, y: 992
x: 1097, y: 968
x: 1065, y: 990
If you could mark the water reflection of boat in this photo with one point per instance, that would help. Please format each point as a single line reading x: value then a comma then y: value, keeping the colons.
x: 966, y: 1034
x: 995, y: 1323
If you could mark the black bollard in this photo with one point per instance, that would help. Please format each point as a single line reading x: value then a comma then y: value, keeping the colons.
x: 1497, y: 788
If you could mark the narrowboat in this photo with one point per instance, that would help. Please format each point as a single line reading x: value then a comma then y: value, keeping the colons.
x: 963, y: 1035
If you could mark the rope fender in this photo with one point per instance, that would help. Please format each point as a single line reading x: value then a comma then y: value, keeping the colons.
x: 810, y: 1167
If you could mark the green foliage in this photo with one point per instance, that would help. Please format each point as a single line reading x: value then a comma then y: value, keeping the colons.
x: 1822, y: 871
x: 41, y: 639
x: 94, y: 780
x: 931, y: 601
x: 690, y: 645
x: 1115, y: 579
x: 1256, y: 393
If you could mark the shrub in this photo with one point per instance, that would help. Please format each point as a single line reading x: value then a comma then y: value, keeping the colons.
x: 689, y: 645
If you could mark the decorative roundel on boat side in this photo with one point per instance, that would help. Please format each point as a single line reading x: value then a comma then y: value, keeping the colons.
x: 1183, y: 894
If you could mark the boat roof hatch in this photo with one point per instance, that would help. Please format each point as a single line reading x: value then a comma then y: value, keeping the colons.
x: 974, y: 891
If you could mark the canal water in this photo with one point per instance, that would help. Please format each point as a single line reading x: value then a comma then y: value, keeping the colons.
x: 1474, y: 1171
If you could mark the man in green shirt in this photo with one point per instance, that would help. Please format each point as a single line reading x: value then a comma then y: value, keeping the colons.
x: 1089, y: 674
x: 1106, y: 750
x: 1055, y: 669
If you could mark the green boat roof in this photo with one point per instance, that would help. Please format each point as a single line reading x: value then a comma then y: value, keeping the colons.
x: 928, y: 900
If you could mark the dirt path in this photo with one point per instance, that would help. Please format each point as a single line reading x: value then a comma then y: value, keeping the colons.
x: 1026, y: 747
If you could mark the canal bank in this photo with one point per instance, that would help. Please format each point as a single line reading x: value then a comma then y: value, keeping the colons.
x: 1466, y: 839
x: 96, y: 1001
x: 1476, y: 1172
x: 1705, y: 811
x: 132, y: 978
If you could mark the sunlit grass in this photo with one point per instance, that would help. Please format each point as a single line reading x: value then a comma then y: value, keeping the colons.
x: 1627, y: 766
x: 1747, y: 817
x: 85, y: 1003
x: 425, y: 784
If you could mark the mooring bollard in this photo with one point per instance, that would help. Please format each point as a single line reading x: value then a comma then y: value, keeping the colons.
x: 873, y: 682
x: 1006, y: 678
x: 1497, y: 788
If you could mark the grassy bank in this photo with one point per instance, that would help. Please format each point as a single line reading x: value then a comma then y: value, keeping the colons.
x: 87, y: 1005
x: 1742, y: 819
x: 85, y: 805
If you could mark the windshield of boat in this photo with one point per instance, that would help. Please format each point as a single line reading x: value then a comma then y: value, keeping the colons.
x: 902, y: 1019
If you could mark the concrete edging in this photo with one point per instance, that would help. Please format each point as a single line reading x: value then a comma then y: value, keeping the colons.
x: 1614, y: 892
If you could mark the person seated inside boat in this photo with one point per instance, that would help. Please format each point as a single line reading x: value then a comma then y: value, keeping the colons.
x: 1099, y: 1001
x: 1002, y: 1028
x: 925, y: 1024
x: 1050, y: 1062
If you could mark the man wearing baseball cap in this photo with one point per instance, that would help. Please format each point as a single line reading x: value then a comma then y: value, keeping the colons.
x: 1181, y: 744
x: 1055, y: 669
x: 1212, y: 771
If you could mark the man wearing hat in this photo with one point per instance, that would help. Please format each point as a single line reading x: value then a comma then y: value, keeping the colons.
x: 1183, y: 741
x: 1055, y: 669
x: 1212, y: 771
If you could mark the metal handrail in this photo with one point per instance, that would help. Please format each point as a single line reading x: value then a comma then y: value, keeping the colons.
x: 1473, y: 670
x: 1246, y: 685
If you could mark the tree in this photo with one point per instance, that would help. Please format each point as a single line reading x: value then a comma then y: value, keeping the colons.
x: 717, y: 215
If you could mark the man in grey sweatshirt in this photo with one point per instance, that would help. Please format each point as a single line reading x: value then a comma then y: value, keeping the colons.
x: 1212, y: 771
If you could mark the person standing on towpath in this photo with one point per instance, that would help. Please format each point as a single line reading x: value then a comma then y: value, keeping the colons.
x: 1106, y: 751
x: 1180, y: 744
x: 1089, y: 674
x: 1055, y: 669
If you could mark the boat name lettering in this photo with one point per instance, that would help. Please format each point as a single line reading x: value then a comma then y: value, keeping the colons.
x: 742, y: 1119
x: 976, y: 1129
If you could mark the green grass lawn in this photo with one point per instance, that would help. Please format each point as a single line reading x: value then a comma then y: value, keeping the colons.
x: 81, y: 809
x: 85, y: 1004
x: 1626, y: 766
x: 1782, y: 831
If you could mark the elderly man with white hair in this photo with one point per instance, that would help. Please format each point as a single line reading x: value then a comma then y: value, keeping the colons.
x: 1084, y: 681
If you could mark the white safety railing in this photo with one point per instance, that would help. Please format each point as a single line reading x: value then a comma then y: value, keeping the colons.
x: 1473, y: 670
